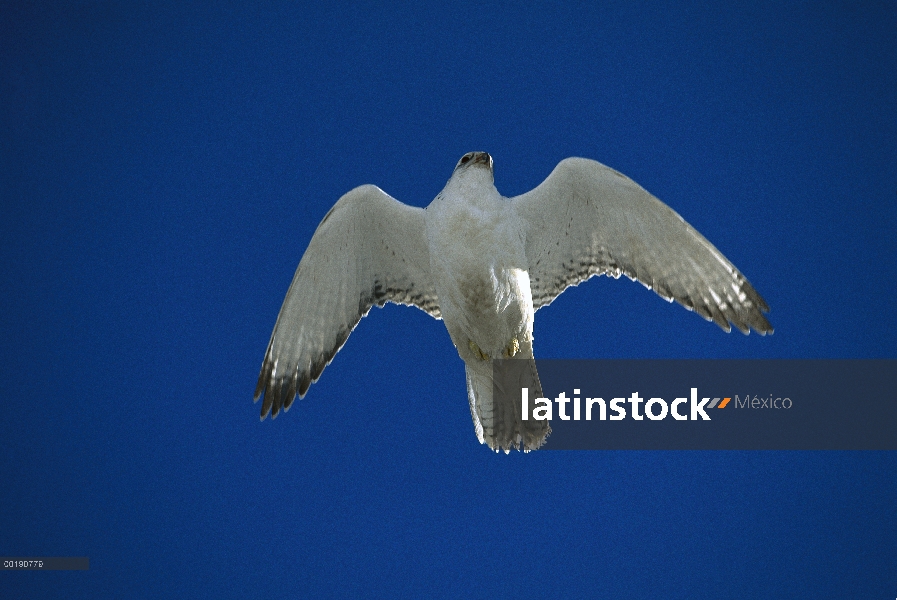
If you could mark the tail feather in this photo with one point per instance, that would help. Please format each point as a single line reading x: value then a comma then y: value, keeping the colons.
x: 495, y: 404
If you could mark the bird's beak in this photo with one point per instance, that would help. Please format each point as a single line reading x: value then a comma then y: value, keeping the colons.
x: 483, y: 158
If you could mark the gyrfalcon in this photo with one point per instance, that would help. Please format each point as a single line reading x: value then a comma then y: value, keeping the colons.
x: 484, y: 264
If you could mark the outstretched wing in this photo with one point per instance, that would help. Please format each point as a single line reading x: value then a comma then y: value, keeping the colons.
x: 586, y: 219
x: 370, y: 249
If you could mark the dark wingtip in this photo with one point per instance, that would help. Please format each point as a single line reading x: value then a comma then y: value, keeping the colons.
x: 291, y: 391
x: 758, y: 321
x: 266, y: 408
x: 260, y: 386
x: 765, y: 328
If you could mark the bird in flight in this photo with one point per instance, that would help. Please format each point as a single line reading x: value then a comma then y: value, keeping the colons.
x: 484, y: 264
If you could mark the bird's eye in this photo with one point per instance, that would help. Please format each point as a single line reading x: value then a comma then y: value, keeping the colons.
x: 465, y: 158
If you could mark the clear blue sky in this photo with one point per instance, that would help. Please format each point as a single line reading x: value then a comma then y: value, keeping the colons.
x: 162, y: 169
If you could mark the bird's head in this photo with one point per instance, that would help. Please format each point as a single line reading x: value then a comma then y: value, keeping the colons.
x: 473, y: 174
x: 474, y: 160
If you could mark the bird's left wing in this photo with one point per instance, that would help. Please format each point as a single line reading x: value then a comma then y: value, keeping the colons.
x: 369, y: 249
x: 586, y: 219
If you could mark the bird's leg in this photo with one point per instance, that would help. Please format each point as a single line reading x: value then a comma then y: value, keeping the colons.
x: 476, y: 350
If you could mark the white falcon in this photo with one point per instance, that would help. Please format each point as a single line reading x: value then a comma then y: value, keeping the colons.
x: 484, y: 264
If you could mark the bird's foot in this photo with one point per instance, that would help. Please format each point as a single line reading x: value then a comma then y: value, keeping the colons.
x: 512, y: 349
x: 476, y: 350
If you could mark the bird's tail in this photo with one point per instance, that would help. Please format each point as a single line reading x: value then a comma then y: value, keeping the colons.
x: 495, y: 404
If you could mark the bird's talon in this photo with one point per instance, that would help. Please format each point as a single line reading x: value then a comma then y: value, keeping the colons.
x: 513, y: 348
x: 476, y: 350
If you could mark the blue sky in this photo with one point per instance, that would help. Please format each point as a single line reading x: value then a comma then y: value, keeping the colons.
x: 162, y: 169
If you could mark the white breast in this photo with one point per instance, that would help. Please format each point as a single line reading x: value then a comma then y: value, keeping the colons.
x: 479, y: 264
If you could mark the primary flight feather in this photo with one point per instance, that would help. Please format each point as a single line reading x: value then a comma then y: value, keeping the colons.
x: 484, y: 264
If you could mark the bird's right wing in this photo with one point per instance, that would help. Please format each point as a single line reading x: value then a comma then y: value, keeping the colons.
x: 586, y: 219
x: 368, y: 250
